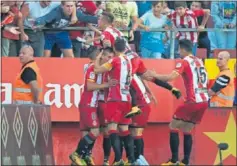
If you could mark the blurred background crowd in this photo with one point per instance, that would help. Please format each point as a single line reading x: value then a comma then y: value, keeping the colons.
x: 137, y: 20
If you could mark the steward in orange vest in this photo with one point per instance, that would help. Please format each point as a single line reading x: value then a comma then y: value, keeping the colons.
x: 223, y: 91
x: 28, y: 85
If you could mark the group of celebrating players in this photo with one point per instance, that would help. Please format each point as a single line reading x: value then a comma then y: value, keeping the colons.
x: 117, y: 99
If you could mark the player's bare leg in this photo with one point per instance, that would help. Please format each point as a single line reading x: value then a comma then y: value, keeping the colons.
x: 115, y: 142
x: 128, y: 142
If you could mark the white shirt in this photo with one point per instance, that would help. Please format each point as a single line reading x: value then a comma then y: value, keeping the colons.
x: 36, y: 11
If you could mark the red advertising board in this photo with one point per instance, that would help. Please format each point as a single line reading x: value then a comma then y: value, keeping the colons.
x: 63, y: 85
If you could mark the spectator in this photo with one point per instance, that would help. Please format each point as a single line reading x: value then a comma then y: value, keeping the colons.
x: 166, y: 10
x: 123, y: 12
x: 88, y: 7
x: 143, y: 7
x: 152, y: 42
x: 11, y: 41
x: 32, y: 11
x: 100, y: 7
x: 60, y: 18
x: 224, y: 16
x: 203, y: 40
x: 182, y: 17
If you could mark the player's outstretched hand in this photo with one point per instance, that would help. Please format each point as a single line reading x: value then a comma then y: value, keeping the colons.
x: 176, y: 93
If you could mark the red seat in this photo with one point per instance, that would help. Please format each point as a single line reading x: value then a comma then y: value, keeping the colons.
x: 232, y: 52
x: 202, y: 53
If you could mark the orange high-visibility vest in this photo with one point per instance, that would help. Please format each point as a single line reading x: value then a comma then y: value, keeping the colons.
x: 225, y: 97
x: 22, y: 92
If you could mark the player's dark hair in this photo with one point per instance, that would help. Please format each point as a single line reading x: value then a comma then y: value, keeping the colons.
x: 120, y: 44
x: 63, y: 2
x: 108, y: 16
x: 200, y: 2
x: 154, y: 3
x: 108, y: 50
x: 186, y: 45
x: 93, y: 52
x: 180, y: 4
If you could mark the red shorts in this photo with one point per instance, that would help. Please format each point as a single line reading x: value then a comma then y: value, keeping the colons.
x: 191, y: 112
x: 88, y: 118
x: 115, y: 112
x: 100, y: 110
x: 140, y: 121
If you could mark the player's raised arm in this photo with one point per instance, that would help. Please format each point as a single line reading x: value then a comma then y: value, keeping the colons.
x: 168, y: 77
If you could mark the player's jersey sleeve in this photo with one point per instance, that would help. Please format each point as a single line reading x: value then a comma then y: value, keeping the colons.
x: 90, y: 74
x: 107, y: 36
x: 110, y: 64
x: 181, y: 66
x: 138, y: 66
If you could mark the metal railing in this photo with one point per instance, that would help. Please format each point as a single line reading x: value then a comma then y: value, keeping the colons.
x: 172, y: 33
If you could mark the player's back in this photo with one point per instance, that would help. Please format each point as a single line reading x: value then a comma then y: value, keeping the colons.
x: 121, y: 71
x: 195, y: 79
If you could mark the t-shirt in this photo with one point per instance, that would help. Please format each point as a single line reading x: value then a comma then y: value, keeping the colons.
x: 143, y: 7
x: 153, y: 40
x: 123, y: 12
x: 36, y: 11
x: 28, y: 75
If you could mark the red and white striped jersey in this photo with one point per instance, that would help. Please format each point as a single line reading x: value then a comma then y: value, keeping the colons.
x: 188, y: 20
x: 110, y: 34
x: 90, y: 98
x: 120, y: 69
x: 195, y: 78
x: 142, y: 97
x: 138, y: 66
x: 103, y: 94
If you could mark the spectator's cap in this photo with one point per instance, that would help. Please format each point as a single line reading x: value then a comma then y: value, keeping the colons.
x: 178, y: 4
x: 108, y: 16
x: 120, y: 44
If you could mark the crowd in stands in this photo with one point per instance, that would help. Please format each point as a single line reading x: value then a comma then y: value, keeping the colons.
x: 22, y: 23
